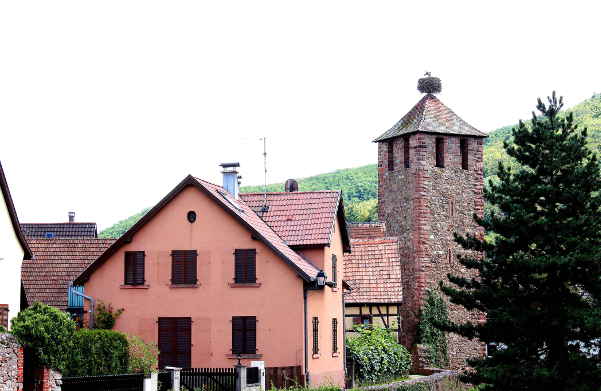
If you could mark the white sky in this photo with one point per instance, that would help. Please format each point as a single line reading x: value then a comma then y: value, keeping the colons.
x: 106, y: 105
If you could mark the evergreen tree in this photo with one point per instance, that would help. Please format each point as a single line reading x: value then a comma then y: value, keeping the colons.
x: 539, y: 269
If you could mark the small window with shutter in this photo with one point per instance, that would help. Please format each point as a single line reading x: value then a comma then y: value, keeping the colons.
x: 244, y: 335
x: 183, y: 267
x: 315, y: 335
x: 439, y: 152
x: 334, y: 335
x: 334, y: 269
x: 134, y: 268
x: 245, y: 266
x: 463, y: 147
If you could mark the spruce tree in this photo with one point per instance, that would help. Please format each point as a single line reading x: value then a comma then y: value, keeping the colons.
x: 539, y: 265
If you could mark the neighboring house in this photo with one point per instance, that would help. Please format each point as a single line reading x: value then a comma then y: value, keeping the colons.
x: 13, y: 250
x: 373, y: 270
x: 70, y: 229
x: 56, y: 263
x: 211, y: 275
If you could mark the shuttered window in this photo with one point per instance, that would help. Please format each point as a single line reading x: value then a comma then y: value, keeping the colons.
x: 463, y: 147
x: 134, y: 268
x: 244, y: 335
x: 315, y: 335
x: 334, y: 269
x: 334, y: 335
x: 183, y: 267
x: 175, y: 342
x: 390, y: 156
x: 439, y: 152
x: 245, y: 266
x: 406, y: 151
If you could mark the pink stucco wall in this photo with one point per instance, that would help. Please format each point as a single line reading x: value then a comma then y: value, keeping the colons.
x: 277, y: 303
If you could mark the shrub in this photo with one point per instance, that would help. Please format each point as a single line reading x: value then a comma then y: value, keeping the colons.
x: 143, y: 357
x: 106, y: 316
x: 47, y: 332
x: 3, y: 330
x: 378, y: 355
x: 97, y: 352
x: 434, y: 312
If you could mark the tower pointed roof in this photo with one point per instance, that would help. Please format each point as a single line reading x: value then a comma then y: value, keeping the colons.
x: 430, y: 115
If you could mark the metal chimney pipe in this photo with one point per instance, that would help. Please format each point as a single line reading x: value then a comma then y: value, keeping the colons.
x: 71, y: 217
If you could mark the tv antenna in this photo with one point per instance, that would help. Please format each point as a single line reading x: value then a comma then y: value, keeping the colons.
x: 265, y: 207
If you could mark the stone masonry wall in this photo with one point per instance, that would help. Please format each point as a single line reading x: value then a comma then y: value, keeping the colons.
x: 424, y: 205
x: 11, y: 364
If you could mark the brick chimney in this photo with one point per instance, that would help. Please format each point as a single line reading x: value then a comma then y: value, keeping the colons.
x: 230, y: 178
x: 290, y: 186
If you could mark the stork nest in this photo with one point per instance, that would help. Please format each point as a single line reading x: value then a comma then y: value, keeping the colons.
x: 429, y: 85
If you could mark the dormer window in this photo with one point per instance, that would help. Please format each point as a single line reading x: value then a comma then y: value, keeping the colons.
x: 440, y: 152
x: 464, y: 148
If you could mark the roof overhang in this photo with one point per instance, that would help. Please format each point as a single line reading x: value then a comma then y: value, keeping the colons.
x: 27, y: 254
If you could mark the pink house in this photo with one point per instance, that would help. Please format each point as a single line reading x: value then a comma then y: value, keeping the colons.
x: 211, y: 275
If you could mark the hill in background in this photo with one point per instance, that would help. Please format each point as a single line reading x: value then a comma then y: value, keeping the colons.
x: 360, y: 185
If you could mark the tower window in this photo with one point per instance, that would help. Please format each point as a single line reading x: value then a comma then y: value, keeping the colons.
x: 391, y: 156
x: 439, y: 152
x: 406, y: 155
x: 463, y: 147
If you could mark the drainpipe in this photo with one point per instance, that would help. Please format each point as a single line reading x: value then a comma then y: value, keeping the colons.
x: 306, y: 337
x: 92, y: 304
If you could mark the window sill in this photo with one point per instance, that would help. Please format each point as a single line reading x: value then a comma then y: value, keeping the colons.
x: 134, y: 286
x: 184, y: 286
x: 335, y: 354
x: 245, y: 285
x: 235, y: 356
x: 316, y: 355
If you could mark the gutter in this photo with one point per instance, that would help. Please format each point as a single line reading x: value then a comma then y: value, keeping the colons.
x: 306, y: 336
x: 92, y: 304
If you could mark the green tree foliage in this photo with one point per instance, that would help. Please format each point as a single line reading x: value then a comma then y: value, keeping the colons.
x: 47, y: 332
x: 539, y: 280
x: 97, y: 352
x: 143, y: 357
x: 362, y: 211
x: 434, y: 312
x: 106, y: 316
x: 115, y: 231
x: 378, y: 355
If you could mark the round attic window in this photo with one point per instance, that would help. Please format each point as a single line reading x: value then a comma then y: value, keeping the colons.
x: 191, y: 216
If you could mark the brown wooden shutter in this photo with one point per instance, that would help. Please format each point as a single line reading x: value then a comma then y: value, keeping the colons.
x: 463, y: 146
x: 183, y: 267
x: 175, y: 342
x: 391, y: 155
x: 134, y: 268
x: 334, y: 335
x: 406, y: 152
x: 250, y: 340
x: 245, y: 266
x: 334, y: 269
x: 183, y: 327
x: 439, y: 152
x: 244, y: 335
x: 237, y: 334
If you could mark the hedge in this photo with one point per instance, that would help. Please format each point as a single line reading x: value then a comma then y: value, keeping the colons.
x: 97, y: 352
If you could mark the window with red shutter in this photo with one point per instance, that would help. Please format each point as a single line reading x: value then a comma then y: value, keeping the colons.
x: 245, y: 266
x: 183, y: 267
x: 134, y: 268
x: 175, y: 342
x: 439, y: 152
x: 244, y: 335
x: 463, y: 147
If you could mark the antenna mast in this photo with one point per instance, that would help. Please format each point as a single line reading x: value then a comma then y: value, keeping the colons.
x: 265, y: 208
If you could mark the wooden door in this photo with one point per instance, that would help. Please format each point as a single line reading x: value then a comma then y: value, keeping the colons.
x: 175, y: 342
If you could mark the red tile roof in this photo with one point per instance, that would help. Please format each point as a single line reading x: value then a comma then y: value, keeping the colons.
x: 300, y: 218
x: 237, y: 208
x: 432, y: 116
x: 373, y: 270
x: 56, y: 262
x: 367, y: 230
x: 59, y: 230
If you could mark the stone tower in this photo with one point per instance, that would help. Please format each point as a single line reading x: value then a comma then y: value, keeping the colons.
x: 429, y: 186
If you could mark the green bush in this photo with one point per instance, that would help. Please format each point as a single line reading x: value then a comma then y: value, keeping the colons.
x: 106, y: 316
x: 434, y: 312
x: 97, y: 352
x: 378, y: 355
x: 3, y: 330
x: 143, y: 357
x: 47, y: 332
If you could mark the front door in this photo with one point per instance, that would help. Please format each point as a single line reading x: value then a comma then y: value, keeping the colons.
x: 175, y: 342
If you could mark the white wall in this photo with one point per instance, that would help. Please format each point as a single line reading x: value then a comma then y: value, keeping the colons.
x: 11, y: 257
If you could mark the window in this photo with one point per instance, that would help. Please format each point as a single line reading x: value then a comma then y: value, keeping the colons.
x: 439, y: 152
x: 183, y: 267
x: 134, y: 268
x: 4, y: 315
x: 334, y: 335
x: 463, y: 147
x: 315, y: 335
x: 390, y: 156
x: 191, y: 216
x: 334, y: 269
x: 175, y: 342
x: 406, y: 150
x: 365, y: 320
x: 244, y: 335
x: 245, y: 270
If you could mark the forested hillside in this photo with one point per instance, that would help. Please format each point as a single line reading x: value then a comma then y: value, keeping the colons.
x: 359, y: 185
